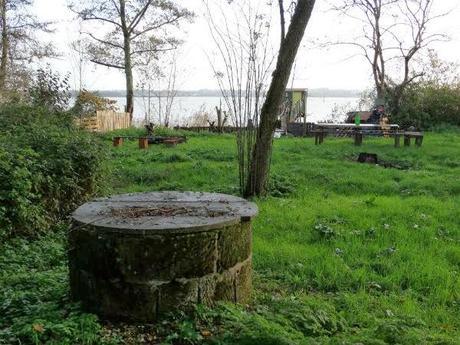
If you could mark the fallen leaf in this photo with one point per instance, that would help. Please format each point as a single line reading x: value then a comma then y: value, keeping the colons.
x: 206, y: 333
x: 38, y: 327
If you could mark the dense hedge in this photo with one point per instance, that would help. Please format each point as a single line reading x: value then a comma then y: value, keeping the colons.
x: 429, y: 105
x: 47, y: 168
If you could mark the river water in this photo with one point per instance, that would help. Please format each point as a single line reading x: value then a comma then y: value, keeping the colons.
x: 184, y: 108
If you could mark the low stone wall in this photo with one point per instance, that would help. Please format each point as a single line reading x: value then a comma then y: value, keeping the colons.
x: 136, y: 275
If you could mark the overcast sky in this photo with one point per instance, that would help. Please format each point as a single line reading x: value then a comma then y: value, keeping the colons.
x: 334, y: 67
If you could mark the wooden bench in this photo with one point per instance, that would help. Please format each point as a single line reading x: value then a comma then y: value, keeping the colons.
x: 358, y: 136
x: 143, y: 141
x: 418, y: 138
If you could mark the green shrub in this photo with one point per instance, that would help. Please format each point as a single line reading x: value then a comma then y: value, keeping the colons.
x: 427, y: 105
x: 47, y: 168
x: 281, y: 186
x: 19, y: 199
x: 88, y: 103
x: 50, y: 90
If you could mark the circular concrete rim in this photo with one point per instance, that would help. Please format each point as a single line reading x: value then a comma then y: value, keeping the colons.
x: 94, y: 213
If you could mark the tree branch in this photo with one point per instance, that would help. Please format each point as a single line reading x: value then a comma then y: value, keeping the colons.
x: 155, y: 27
x: 138, y: 17
x: 101, y: 19
x: 152, y: 50
x: 282, y: 20
x: 106, y: 64
x: 103, y: 41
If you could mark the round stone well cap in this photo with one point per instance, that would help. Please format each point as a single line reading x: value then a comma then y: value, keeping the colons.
x: 160, y: 212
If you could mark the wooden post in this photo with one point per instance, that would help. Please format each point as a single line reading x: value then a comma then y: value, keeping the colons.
x: 397, y: 139
x: 418, y: 140
x: 305, y: 114
x: 406, y: 140
x: 319, y: 136
x: 358, y: 137
x: 143, y: 143
x: 117, y: 141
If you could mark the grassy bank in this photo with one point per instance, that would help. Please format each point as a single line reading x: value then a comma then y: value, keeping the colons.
x: 344, y: 253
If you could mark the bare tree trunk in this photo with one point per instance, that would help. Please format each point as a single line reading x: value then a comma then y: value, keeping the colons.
x: 378, y: 63
x: 260, y: 163
x: 129, y: 79
x: 147, y: 122
x: 220, y: 124
x: 129, y: 82
x: 128, y: 65
x: 4, y: 57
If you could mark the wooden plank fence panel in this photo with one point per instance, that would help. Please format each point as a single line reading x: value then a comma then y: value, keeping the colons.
x: 105, y: 121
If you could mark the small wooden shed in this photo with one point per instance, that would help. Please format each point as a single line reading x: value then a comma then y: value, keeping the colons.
x: 294, y: 106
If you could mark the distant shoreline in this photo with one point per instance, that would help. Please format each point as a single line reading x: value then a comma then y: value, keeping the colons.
x: 314, y: 93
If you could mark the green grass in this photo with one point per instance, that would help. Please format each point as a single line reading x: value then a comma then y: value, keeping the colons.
x: 350, y: 254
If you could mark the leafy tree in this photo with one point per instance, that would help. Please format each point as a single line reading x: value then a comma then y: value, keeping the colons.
x: 135, y: 30
x: 19, y: 43
x: 434, y: 100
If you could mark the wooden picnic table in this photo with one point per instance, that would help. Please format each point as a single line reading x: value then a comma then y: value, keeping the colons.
x: 357, y: 131
x: 352, y: 126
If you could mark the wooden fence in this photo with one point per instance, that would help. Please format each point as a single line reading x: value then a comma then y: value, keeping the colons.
x: 104, y: 121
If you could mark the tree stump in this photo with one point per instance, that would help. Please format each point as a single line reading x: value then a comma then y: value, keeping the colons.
x: 143, y: 143
x: 117, y: 141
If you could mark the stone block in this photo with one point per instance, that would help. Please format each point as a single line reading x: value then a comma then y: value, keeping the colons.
x: 225, y: 287
x: 244, y: 282
x: 234, y: 245
x: 167, y: 258
x: 178, y: 294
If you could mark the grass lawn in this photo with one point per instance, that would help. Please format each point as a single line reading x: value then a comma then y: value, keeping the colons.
x: 344, y: 253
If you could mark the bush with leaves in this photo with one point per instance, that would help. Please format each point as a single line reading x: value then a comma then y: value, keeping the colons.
x: 428, y: 104
x: 47, y: 168
x: 88, y: 103
x: 49, y: 90
x: 431, y: 102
